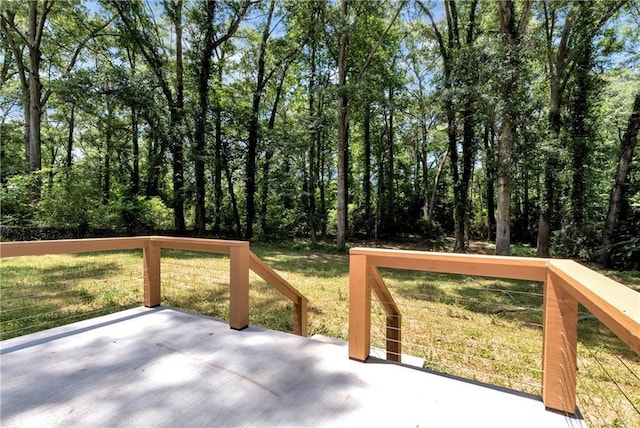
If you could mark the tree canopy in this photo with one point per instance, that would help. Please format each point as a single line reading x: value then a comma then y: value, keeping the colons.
x: 513, y: 121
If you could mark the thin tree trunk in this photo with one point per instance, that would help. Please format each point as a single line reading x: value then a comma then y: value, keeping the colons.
x: 436, y: 180
x: 269, y: 154
x: 36, y: 27
x: 512, y: 33
x: 201, y: 119
x: 313, y: 139
x: 491, y: 211
x: 628, y: 144
x: 343, y: 105
x: 177, y: 119
x: 366, y: 184
x: 218, y: 164
x: 252, y: 142
x: 135, y: 173
x: 322, y: 182
x: 550, y: 171
x: 71, y: 124
x: 391, y: 195
x: 232, y: 193
x: 106, y: 182
x: 579, y: 142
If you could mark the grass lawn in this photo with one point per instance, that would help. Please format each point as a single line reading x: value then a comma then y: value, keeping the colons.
x: 478, y: 328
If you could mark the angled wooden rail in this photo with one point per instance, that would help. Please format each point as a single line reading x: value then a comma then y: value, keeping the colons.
x: 566, y: 284
x: 299, y: 301
x: 241, y: 261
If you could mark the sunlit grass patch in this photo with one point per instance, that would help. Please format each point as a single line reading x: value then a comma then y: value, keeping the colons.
x: 43, y: 292
x: 485, y: 329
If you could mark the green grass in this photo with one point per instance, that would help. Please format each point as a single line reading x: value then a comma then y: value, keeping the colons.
x: 484, y: 329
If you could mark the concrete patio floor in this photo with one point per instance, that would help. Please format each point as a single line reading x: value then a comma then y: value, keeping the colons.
x: 166, y: 367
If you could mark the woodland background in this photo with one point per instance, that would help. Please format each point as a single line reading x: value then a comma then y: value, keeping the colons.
x: 511, y: 121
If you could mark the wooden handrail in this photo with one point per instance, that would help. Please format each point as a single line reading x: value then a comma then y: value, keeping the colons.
x: 392, y: 314
x: 616, y: 306
x: 566, y: 283
x: 241, y: 260
x: 280, y: 284
x: 69, y: 246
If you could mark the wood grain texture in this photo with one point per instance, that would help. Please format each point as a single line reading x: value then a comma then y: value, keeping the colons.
x: 559, y: 347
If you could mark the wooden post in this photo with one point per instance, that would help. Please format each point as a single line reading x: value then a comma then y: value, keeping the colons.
x: 559, y: 345
x: 239, y: 287
x: 394, y: 338
x: 300, y: 317
x: 359, y: 308
x: 151, y: 256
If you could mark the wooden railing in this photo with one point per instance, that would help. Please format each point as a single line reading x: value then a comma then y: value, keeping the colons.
x: 566, y: 284
x: 242, y: 260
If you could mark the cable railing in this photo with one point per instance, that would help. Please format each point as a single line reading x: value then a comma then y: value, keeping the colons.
x: 43, y: 292
x: 475, y: 328
x: 548, y: 311
x: 241, y: 262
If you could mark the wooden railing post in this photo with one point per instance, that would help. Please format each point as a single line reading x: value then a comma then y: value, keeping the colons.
x: 394, y: 338
x: 239, y: 287
x: 151, y: 256
x: 559, y: 345
x: 300, y: 317
x: 392, y: 314
x: 359, y: 308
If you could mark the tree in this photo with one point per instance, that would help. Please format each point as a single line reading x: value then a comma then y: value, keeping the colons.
x: 139, y: 28
x: 512, y: 31
x: 343, y: 113
x: 209, y: 43
x: 627, y: 146
x: 576, y: 34
x: 30, y: 71
x: 458, y: 68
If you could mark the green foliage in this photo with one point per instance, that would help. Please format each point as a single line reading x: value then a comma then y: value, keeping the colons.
x: 113, y: 120
x: 17, y: 207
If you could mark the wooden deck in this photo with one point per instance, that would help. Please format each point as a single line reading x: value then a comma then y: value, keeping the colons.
x: 165, y: 367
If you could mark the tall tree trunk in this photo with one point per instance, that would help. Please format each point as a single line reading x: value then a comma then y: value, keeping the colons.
x: 135, y: 172
x: 366, y: 182
x: 561, y: 61
x: 579, y: 147
x: 628, y: 144
x: 52, y: 164
x: 157, y: 146
x: 436, y: 179
x: 512, y: 32
x: 313, y: 139
x: 269, y: 154
x: 252, y: 142
x: 232, y: 192
x: 491, y: 209
x: 210, y: 43
x: 106, y: 182
x: 449, y: 51
x: 391, y: 195
x: 135, y: 140
x: 343, y: 117
x: 177, y: 121
x: 218, y: 164
x: 468, y: 155
x: 36, y: 28
x: 201, y: 119
x: 321, y: 181
x: 343, y: 105
x: 71, y: 125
